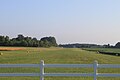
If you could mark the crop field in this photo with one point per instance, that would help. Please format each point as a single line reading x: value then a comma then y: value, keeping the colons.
x: 55, y: 56
x: 112, y: 51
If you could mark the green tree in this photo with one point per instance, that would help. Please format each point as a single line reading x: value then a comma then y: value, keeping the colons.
x: 23, y: 43
x: 2, y: 40
x: 49, y: 41
x: 20, y: 37
x: 7, y: 41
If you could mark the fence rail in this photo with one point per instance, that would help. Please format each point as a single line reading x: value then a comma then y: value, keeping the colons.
x: 95, y: 66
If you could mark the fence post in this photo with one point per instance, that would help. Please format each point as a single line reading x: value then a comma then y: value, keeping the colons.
x: 95, y: 69
x: 41, y: 70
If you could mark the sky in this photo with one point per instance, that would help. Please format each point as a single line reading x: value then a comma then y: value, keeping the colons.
x: 69, y: 21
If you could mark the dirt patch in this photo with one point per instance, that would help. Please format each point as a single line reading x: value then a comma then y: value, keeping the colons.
x: 10, y: 48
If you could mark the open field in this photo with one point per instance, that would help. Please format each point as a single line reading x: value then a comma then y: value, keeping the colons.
x: 58, y: 56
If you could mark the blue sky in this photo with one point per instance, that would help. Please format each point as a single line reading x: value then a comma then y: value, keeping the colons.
x: 70, y: 21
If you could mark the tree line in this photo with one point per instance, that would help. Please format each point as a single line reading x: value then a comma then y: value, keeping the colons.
x: 23, y: 41
x: 77, y: 45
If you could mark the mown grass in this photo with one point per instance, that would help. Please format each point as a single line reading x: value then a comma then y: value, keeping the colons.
x: 56, y: 56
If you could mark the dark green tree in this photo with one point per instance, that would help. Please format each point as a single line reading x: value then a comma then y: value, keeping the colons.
x: 49, y: 41
x: 20, y: 37
x: 7, y: 41
x: 2, y: 40
x: 23, y: 43
x: 117, y: 45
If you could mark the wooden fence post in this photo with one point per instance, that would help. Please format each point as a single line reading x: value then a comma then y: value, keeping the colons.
x: 41, y: 70
x: 95, y: 69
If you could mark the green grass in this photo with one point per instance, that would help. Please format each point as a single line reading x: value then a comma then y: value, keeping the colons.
x: 56, y: 56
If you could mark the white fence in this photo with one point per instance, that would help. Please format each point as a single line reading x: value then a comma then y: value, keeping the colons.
x: 42, y: 66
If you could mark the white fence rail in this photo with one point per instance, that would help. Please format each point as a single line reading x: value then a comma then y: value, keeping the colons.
x: 95, y: 74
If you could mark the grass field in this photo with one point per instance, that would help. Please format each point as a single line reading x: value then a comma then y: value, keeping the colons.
x: 56, y: 55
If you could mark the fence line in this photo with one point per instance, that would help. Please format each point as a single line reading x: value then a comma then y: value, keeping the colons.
x: 95, y: 66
